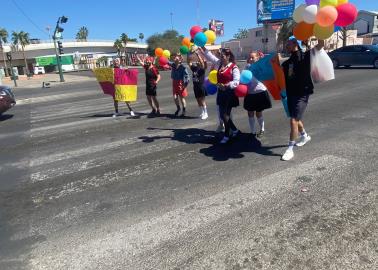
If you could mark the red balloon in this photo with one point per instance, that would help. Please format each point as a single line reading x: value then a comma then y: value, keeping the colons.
x: 194, y: 30
x: 347, y: 14
x: 241, y: 90
x: 163, y: 61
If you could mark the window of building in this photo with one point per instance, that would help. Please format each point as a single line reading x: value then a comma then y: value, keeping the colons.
x: 259, y: 33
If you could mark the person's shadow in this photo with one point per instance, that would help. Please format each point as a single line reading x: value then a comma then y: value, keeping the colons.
x: 234, y: 149
x: 4, y: 117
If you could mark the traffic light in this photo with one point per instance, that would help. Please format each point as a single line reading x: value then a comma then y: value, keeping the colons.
x: 63, y: 19
x: 9, y: 56
x: 60, y: 47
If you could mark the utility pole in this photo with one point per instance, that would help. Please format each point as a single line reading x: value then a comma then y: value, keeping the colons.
x: 171, y: 20
x: 57, y: 35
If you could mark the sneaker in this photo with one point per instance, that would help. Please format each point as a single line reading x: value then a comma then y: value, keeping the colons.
x: 289, y: 154
x: 220, y: 128
x: 158, y: 113
x: 177, y: 112
x: 235, y: 133
x: 183, y: 113
x: 204, y: 116
x: 225, y: 140
x: 132, y: 113
x: 260, y: 134
x: 303, y: 140
x: 116, y: 115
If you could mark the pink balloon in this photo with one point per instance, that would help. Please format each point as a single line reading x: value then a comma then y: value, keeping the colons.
x: 241, y: 90
x: 194, y: 30
x: 347, y: 14
x: 163, y: 61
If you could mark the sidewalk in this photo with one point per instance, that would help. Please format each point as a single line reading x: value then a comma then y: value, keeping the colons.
x: 37, y: 80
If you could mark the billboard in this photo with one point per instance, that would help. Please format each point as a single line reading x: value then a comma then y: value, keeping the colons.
x: 274, y: 10
x: 217, y: 26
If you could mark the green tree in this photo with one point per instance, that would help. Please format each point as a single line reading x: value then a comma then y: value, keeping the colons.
x: 124, y: 39
x: 21, y: 39
x: 169, y: 40
x: 141, y: 37
x: 241, y: 34
x: 102, y: 61
x: 118, y: 46
x: 82, y: 34
x: 3, y: 40
x: 285, y: 32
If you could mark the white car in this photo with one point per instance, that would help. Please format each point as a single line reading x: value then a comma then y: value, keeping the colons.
x: 39, y: 70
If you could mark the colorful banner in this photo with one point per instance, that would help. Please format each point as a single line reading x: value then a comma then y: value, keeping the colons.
x: 120, y: 83
x: 217, y: 26
x: 274, y: 10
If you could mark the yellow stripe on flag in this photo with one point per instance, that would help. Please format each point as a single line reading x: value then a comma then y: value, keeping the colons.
x: 126, y: 92
x: 104, y: 74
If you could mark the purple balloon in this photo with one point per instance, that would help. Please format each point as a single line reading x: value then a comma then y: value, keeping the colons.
x: 312, y: 2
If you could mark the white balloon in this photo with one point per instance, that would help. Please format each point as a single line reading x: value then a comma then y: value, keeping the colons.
x: 298, y: 13
x: 309, y: 14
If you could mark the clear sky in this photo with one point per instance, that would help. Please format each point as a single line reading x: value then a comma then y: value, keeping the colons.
x: 108, y: 19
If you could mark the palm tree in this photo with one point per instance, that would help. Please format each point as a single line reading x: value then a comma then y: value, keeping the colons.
x: 4, y: 39
x: 141, y: 37
x: 118, y: 46
x: 21, y: 39
x: 82, y: 35
x: 285, y: 32
x: 124, y: 40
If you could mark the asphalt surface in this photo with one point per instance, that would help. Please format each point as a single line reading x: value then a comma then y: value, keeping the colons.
x: 82, y: 190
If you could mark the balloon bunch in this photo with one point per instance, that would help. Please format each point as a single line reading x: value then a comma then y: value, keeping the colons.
x: 245, y: 78
x: 321, y: 18
x: 163, y: 56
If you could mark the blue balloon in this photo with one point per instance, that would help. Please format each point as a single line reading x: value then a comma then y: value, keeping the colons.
x: 200, y: 39
x: 211, y: 89
x: 246, y: 77
x: 337, y: 29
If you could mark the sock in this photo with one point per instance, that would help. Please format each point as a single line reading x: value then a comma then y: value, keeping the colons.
x: 303, y: 133
x: 291, y: 145
x: 204, y: 109
x: 183, y: 109
x: 261, y: 123
x: 252, y: 124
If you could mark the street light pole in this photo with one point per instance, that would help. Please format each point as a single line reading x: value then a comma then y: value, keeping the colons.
x: 171, y: 20
x: 59, y: 30
x: 9, y: 56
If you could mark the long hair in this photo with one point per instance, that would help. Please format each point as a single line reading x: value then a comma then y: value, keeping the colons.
x: 228, y: 52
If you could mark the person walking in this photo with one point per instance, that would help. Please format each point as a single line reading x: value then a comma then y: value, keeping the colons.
x: 299, y: 87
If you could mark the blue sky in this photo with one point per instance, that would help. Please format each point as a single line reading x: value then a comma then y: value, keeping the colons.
x: 132, y: 17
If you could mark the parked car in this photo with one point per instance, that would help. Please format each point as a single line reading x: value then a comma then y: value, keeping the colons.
x: 7, y: 99
x: 355, y: 55
x: 39, y: 70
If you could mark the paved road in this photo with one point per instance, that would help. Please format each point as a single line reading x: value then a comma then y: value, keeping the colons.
x: 81, y: 190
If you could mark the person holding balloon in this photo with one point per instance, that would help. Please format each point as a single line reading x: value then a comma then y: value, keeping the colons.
x: 299, y: 87
x: 228, y: 77
x: 180, y: 80
x: 152, y: 79
x: 256, y: 100
x: 198, y: 69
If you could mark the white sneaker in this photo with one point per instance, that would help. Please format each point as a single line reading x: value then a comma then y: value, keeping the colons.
x: 303, y: 140
x: 225, y: 140
x: 204, y: 116
x: 116, y: 115
x: 220, y: 128
x: 132, y: 113
x: 289, y: 154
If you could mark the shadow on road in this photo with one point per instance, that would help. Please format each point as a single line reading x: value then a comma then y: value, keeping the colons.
x: 244, y: 143
x: 4, y: 117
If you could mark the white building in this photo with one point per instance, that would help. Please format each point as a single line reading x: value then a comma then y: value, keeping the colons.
x: 366, y: 25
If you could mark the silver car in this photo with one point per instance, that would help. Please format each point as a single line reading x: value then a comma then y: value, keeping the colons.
x: 355, y: 55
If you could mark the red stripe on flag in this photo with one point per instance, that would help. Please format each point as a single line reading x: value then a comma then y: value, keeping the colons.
x: 125, y: 76
x: 108, y: 88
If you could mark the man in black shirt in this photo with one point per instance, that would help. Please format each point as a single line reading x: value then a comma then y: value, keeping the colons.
x: 299, y: 87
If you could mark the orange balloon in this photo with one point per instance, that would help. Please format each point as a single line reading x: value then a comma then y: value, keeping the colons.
x: 186, y: 42
x: 326, y: 16
x: 303, y: 31
x: 159, y: 52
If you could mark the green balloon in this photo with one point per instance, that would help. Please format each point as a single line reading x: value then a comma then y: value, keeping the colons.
x: 184, y: 49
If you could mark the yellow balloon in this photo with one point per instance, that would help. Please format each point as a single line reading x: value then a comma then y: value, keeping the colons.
x: 323, y: 32
x: 167, y: 54
x: 340, y: 2
x: 211, y: 36
x: 324, y: 3
x: 213, y: 76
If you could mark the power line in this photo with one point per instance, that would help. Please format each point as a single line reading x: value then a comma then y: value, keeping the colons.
x: 29, y: 19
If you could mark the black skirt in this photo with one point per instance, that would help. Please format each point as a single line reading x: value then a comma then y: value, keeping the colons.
x: 257, y: 102
x: 227, y: 98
